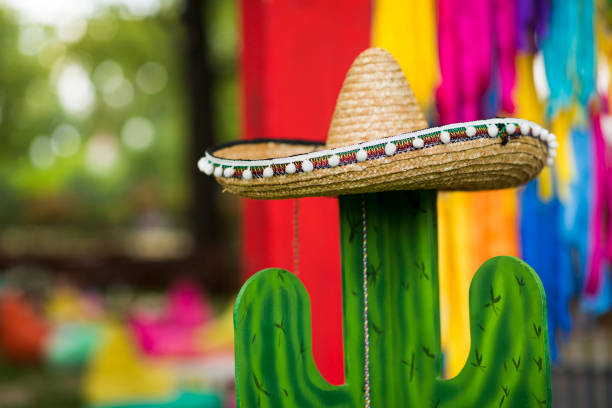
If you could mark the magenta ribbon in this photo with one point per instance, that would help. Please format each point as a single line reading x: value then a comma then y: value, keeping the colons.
x: 472, y: 36
x: 601, y: 222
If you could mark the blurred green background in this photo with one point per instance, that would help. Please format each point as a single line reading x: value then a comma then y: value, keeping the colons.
x: 95, y: 119
x: 104, y: 105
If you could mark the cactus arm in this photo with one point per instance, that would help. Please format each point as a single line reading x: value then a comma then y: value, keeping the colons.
x: 508, y: 363
x: 274, y: 363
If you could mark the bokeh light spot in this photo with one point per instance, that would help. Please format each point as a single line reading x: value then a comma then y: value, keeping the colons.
x: 151, y: 77
x: 119, y: 95
x: 31, y: 40
x: 65, y: 140
x: 142, y: 8
x: 72, y: 31
x: 103, y: 28
x: 41, y: 153
x: 75, y: 90
x: 102, y: 152
x: 137, y: 133
x: 107, y: 75
x: 53, y: 50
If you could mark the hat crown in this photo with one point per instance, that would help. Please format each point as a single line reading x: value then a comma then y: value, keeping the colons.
x: 375, y: 102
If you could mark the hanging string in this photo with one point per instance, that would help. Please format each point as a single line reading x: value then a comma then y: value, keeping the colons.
x: 296, y: 234
x: 365, y: 305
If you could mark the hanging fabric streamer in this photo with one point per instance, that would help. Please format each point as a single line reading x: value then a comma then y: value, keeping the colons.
x: 447, y: 94
x: 597, y: 288
x: 465, y: 64
x: 455, y: 278
x: 539, y: 234
x: 585, y: 59
x: 604, y: 36
x: 460, y: 225
x: 560, y: 203
x: 597, y: 271
x: 577, y: 219
x: 557, y: 48
x: 506, y: 42
x: 532, y: 18
x: 569, y: 54
x: 540, y: 210
x: 478, y: 78
x: 407, y: 29
x: 565, y: 169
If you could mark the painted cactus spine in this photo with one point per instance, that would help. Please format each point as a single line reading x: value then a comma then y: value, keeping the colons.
x: 508, y: 363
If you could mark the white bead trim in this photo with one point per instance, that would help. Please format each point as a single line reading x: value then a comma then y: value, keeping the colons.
x: 390, y: 149
x: 228, y: 172
x: 290, y: 169
x: 307, y: 166
x: 268, y: 172
x: 445, y: 137
x: 333, y: 160
x: 326, y: 158
x: 361, y: 155
x: 492, y: 130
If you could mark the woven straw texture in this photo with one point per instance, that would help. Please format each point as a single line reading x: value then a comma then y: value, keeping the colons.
x: 376, y: 102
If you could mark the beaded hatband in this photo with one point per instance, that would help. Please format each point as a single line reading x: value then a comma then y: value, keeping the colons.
x: 504, y: 128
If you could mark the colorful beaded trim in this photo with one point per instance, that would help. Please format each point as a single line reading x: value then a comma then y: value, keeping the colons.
x: 503, y: 128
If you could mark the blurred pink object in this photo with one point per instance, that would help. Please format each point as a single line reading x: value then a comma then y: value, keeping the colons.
x: 467, y: 30
x: 173, y: 332
x: 506, y: 42
x: 447, y: 94
x: 598, y: 255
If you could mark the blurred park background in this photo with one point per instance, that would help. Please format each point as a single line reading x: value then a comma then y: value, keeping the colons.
x: 120, y: 261
x: 105, y: 226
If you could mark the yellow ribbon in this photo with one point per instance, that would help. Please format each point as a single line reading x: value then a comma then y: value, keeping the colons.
x: 407, y: 29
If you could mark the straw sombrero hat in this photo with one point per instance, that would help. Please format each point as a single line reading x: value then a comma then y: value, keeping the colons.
x: 379, y: 140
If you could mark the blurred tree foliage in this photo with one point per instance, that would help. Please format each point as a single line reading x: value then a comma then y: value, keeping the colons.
x: 127, y: 158
x: 221, y: 37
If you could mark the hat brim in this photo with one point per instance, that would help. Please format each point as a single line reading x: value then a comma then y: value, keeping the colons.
x: 480, y: 155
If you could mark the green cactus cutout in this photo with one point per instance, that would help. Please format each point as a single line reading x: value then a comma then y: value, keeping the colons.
x: 508, y: 364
